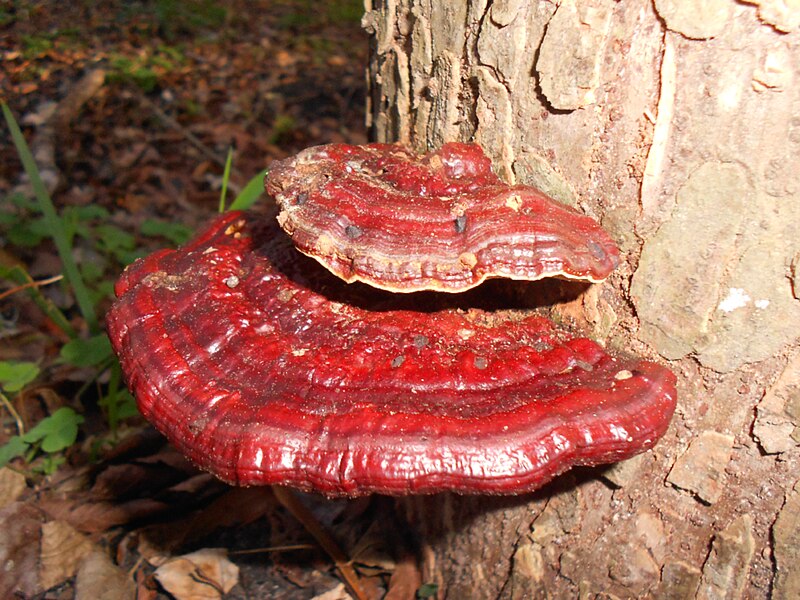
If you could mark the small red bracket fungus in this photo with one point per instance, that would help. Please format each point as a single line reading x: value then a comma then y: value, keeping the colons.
x: 234, y: 354
x: 443, y: 221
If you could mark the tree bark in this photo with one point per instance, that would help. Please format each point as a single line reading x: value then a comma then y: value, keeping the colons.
x: 676, y: 125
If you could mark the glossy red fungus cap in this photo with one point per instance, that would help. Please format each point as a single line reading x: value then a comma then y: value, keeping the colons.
x: 443, y: 221
x: 235, y: 355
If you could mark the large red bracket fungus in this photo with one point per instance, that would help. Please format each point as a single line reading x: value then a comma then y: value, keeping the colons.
x: 235, y: 354
x: 443, y: 221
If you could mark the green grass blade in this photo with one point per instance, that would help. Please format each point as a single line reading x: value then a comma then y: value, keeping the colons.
x: 54, y: 224
x: 226, y: 175
x: 250, y: 192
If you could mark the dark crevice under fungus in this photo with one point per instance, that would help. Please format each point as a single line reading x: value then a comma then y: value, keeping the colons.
x: 235, y: 350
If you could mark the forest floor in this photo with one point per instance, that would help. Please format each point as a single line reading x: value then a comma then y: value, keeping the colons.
x: 130, y: 109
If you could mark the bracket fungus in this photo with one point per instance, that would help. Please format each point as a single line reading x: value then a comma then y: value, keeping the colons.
x: 444, y: 221
x: 235, y: 350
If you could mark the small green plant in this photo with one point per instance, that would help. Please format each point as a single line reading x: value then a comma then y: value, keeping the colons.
x: 144, y: 71
x: 34, y: 46
x: 24, y: 226
x: 15, y: 375
x: 29, y: 223
x: 248, y: 195
x: 50, y: 436
x: 176, y: 233
x: 127, y: 70
x: 55, y: 226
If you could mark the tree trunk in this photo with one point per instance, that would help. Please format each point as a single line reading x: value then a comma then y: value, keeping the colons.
x: 676, y: 125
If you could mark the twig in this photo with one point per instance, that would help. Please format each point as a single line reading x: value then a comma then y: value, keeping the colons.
x: 10, y: 408
x: 190, y: 137
x: 31, y: 284
x: 314, y: 527
x: 285, y: 548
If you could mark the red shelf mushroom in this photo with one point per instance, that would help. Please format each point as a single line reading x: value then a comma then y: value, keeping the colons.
x: 443, y: 221
x: 237, y: 357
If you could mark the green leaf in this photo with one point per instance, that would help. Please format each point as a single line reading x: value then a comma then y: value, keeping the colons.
x: 92, y: 272
x: 250, y: 192
x: 13, y: 448
x: 226, y: 175
x: 104, y: 289
x: 177, y: 233
x: 90, y: 212
x: 22, y: 201
x: 56, y: 432
x: 114, y: 241
x: 126, y: 405
x: 87, y: 353
x: 145, y: 78
x: 118, y: 403
x: 76, y: 220
x: 16, y: 375
x: 7, y: 219
x: 49, y: 464
x: 55, y: 225
x: 28, y: 233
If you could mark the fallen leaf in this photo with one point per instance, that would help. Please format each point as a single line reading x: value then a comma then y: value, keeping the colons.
x: 12, y: 484
x: 371, y: 553
x: 93, y: 517
x: 27, y: 87
x: 237, y: 506
x: 405, y: 581
x: 99, y: 578
x: 206, y: 573
x: 40, y: 115
x: 337, y: 593
x: 63, y: 548
x: 19, y: 550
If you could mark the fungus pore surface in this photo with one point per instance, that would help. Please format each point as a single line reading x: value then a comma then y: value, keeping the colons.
x: 443, y: 221
x: 234, y: 354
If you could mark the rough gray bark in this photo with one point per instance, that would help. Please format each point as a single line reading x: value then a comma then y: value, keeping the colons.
x: 677, y: 125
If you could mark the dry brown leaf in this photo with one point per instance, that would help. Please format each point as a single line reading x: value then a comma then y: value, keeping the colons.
x: 12, y: 484
x: 237, y: 506
x: 93, y: 517
x: 19, y: 550
x: 27, y: 87
x: 63, y: 548
x: 337, y: 593
x: 206, y: 573
x: 406, y: 580
x: 371, y: 552
x: 99, y: 578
